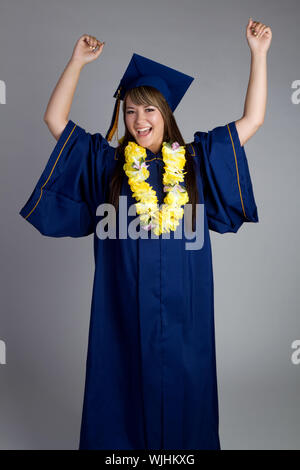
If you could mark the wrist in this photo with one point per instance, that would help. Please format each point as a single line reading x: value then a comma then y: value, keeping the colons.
x: 76, y: 63
x: 259, y: 54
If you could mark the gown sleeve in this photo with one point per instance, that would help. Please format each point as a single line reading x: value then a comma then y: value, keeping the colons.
x: 63, y: 202
x: 227, y: 187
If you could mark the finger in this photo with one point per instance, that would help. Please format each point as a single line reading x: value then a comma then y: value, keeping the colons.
x: 259, y: 28
x: 268, y: 31
x: 92, y: 44
x: 98, y: 51
x: 91, y: 41
x: 254, y: 28
x: 88, y: 40
x: 98, y: 47
x: 261, y: 31
x: 252, y: 23
x: 95, y: 43
x: 249, y: 27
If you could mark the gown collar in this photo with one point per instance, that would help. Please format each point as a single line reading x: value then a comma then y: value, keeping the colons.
x: 151, y: 154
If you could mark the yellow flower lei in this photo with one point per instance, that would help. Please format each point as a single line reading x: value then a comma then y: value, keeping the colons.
x: 151, y: 217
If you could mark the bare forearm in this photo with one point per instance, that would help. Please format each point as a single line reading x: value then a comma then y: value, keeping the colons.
x: 60, y: 102
x: 256, y: 97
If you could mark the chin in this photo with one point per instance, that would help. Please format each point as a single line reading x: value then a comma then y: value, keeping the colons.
x: 145, y: 142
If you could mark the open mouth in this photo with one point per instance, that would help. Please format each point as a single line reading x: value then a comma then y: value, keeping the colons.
x: 145, y: 132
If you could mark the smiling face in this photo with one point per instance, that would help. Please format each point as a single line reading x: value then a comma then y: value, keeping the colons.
x: 148, y: 118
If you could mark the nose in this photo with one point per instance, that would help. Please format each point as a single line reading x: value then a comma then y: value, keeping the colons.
x: 141, y: 117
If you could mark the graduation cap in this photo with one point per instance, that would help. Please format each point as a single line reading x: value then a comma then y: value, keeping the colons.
x: 142, y: 71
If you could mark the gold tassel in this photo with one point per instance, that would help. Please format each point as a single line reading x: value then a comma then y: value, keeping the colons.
x: 114, y: 127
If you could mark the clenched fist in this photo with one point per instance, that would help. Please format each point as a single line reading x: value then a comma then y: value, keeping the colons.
x: 87, y: 49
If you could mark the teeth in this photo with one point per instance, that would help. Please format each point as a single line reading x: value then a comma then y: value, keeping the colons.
x: 145, y: 129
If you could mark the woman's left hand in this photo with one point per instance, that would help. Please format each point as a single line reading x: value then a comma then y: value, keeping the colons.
x: 259, y: 36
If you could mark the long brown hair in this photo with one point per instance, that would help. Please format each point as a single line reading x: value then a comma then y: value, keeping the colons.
x: 147, y: 95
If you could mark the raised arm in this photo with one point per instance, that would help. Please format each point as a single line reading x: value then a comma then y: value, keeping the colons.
x: 56, y: 116
x: 259, y: 38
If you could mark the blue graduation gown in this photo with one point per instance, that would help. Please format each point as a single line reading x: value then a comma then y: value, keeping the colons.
x: 151, y: 369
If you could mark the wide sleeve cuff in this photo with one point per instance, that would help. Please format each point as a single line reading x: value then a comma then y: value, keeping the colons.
x: 227, y: 186
x: 243, y: 178
x: 52, y: 211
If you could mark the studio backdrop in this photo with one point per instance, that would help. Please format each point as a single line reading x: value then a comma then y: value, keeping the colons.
x: 46, y: 282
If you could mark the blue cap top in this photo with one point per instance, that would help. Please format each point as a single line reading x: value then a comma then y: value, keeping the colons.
x: 142, y: 71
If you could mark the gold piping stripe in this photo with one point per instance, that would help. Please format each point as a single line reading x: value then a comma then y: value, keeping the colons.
x: 192, y: 154
x: 237, y: 171
x: 51, y: 172
x: 155, y: 158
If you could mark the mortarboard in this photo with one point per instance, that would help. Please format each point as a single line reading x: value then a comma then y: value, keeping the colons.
x: 142, y: 71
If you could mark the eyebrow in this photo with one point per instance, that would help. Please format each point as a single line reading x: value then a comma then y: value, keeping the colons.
x: 146, y: 106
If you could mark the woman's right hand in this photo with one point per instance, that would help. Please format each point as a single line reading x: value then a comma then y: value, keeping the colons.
x: 87, y: 49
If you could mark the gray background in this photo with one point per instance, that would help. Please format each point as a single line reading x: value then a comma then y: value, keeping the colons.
x: 46, y: 283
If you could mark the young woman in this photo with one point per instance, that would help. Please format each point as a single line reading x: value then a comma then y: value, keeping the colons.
x: 151, y: 369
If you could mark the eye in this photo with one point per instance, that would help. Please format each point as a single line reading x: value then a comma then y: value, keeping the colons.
x: 147, y: 109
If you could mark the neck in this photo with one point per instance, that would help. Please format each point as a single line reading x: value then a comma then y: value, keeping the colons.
x: 154, y: 148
